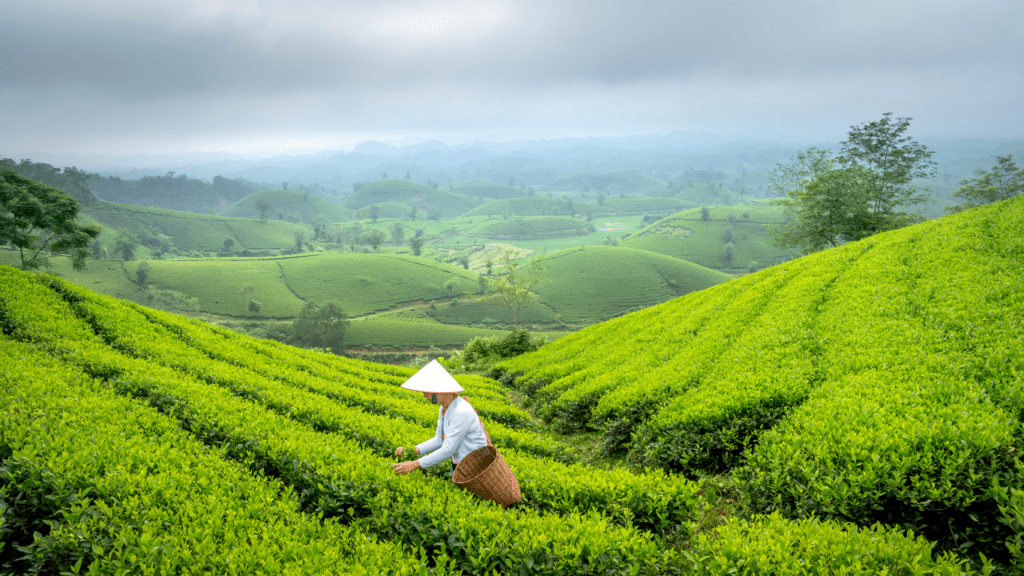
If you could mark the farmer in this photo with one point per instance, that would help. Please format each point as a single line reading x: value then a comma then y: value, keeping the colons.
x: 459, y: 430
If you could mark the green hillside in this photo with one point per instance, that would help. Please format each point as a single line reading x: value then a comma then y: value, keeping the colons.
x: 880, y: 381
x: 594, y: 283
x: 366, y: 283
x: 485, y: 189
x: 136, y: 441
x: 531, y: 228
x: 414, y: 195
x: 640, y: 204
x: 385, y: 210
x: 531, y: 206
x: 189, y: 231
x: 290, y: 206
x: 386, y: 191
x: 611, y: 184
x: 687, y: 236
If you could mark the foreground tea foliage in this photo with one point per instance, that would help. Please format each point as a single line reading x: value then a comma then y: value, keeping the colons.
x: 138, y: 441
x: 877, y: 382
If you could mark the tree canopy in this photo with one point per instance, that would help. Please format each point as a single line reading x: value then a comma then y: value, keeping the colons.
x: 516, y: 280
x: 36, y: 219
x: 1002, y: 182
x: 321, y: 326
x: 831, y: 199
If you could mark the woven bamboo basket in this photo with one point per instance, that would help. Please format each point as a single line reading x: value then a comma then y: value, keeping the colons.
x: 485, y: 473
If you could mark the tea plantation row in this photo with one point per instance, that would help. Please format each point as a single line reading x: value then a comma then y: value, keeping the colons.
x: 144, y: 442
x: 879, y: 381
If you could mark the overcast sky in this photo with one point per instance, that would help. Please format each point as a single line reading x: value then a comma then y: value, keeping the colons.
x: 129, y: 76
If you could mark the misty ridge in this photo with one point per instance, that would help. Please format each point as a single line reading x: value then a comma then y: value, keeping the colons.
x: 210, y: 182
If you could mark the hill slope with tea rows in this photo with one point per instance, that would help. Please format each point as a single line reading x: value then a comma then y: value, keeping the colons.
x: 879, y: 381
x: 137, y: 441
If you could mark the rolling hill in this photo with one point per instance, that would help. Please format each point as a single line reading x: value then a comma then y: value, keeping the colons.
x: 687, y: 236
x: 880, y: 381
x: 485, y: 189
x: 610, y: 184
x: 530, y: 228
x: 593, y: 283
x: 189, y: 231
x: 288, y: 205
x: 414, y: 195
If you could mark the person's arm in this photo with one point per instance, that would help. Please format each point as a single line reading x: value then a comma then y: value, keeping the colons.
x: 458, y: 426
x: 435, y: 442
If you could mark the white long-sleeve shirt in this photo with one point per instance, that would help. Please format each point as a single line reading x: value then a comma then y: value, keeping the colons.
x: 459, y: 432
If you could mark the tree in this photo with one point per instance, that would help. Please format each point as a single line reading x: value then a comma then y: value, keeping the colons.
x: 126, y: 244
x: 397, y: 233
x: 36, y: 218
x: 435, y: 214
x: 142, y: 272
x: 263, y: 207
x: 414, y: 213
x: 229, y: 242
x: 894, y: 161
x: 600, y: 199
x: 374, y: 238
x: 728, y: 253
x: 374, y: 212
x: 255, y: 307
x: 321, y: 326
x: 464, y: 262
x: 705, y: 213
x: 300, y: 240
x: 1004, y: 181
x: 826, y: 205
x: 516, y: 281
x: 417, y: 245
x: 830, y: 200
x: 319, y: 227
x: 449, y: 286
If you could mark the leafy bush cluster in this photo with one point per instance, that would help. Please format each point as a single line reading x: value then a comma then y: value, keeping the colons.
x: 483, y: 352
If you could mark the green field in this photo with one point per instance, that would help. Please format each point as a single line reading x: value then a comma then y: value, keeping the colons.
x: 136, y: 441
x: 366, y: 283
x: 593, y: 283
x: 414, y: 195
x: 875, y: 382
x: 485, y: 189
x: 190, y: 231
x: 290, y: 206
x: 530, y: 228
x: 611, y: 184
x: 687, y: 236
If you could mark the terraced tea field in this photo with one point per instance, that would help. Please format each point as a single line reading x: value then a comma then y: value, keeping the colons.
x: 880, y: 381
x: 136, y: 441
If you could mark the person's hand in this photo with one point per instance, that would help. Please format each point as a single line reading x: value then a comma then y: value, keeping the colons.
x: 398, y: 452
x: 405, y: 467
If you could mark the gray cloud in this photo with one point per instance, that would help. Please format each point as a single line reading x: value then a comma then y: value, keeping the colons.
x: 120, y: 75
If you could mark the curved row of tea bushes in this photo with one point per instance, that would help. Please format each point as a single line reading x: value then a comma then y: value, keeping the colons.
x: 655, y: 502
x: 275, y: 360
x: 774, y: 545
x: 919, y: 420
x: 336, y: 477
x: 126, y: 328
x: 96, y: 484
x: 750, y: 387
x: 659, y: 353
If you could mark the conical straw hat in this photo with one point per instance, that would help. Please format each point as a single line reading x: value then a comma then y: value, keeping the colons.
x: 432, y: 378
